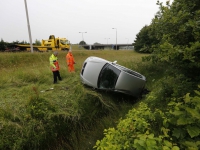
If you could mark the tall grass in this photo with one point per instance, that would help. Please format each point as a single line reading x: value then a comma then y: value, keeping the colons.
x: 36, y: 114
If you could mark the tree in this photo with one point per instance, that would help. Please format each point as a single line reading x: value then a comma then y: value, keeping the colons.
x: 96, y: 43
x: 37, y: 42
x: 82, y: 43
x: 145, y: 39
x: 176, y: 28
x: 23, y: 42
x: 2, y: 45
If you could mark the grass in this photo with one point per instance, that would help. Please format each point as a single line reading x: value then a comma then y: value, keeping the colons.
x: 25, y: 70
x: 35, y: 109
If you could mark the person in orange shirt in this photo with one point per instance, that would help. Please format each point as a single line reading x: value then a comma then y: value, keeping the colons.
x: 70, y: 61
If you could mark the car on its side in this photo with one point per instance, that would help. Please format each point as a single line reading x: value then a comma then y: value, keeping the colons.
x: 102, y: 74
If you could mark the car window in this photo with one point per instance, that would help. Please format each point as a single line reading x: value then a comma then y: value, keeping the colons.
x: 83, y: 68
x: 108, y: 77
x: 129, y: 71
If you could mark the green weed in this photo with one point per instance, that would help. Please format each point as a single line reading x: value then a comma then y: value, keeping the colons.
x: 36, y: 114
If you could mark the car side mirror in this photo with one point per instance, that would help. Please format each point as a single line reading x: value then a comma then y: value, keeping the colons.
x: 114, y: 62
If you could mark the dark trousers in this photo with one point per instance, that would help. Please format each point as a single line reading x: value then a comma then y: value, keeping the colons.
x: 56, y: 74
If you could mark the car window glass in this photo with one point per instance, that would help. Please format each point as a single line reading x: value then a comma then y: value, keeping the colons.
x: 83, y: 68
x: 108, y: 77
x: 129, y: 71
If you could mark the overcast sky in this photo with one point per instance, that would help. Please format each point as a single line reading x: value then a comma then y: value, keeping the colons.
x: 66, y: 18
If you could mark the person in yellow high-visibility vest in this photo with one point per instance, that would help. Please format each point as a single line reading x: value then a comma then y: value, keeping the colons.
x: 70, y: 61
x: 55, y: 67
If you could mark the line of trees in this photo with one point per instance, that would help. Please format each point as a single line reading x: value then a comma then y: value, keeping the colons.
x: 4, y: 45
x: 173, y: 35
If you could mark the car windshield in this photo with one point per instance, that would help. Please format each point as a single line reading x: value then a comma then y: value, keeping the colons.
x: 108, y: 77
x: 64, y: 42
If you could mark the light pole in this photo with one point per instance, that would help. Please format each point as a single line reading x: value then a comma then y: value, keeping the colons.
x: 127, y: 43
x: 29, y: 29
x: 107, y: 40
x: 116, y: 37
x: 82, y: 35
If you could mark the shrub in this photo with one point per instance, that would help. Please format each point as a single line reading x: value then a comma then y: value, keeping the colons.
x: 175, y: 128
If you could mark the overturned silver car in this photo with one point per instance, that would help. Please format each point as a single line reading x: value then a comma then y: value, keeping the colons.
x: 105, y: 75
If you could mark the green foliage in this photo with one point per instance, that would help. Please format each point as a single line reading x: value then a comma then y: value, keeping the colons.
x: 184, y: 117
x: 173, y: 36
x: 167, y: 87
x: 42, y: 121
x: 173, y: 39
x: 30, y: 126
x: 145, y: 39
x: 38, y: 108
x: 33, y: 116
x: 36, y: 114
x: 82, y: 43
x: 2, y: 45
x: 136, y: 132
x: 37, y: 42
x: 175, y: 128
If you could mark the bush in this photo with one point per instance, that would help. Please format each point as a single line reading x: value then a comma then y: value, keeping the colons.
x: 175, y: 128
